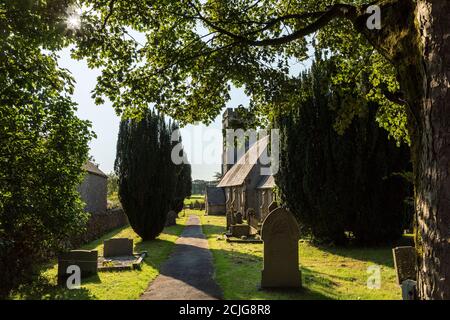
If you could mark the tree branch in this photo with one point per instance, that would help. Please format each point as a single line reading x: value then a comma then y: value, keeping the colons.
x: 323, y: 18
x: 395, y: 97
x: 110, y: 12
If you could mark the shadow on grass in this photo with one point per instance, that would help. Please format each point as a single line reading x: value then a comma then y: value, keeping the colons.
x: 238, y: 270
x: 381, y: 255
x: 239, y: 275
x: 174, y: 230
x: 213, y: 229
x: 45, y: 287
x: 42, y: 289
x: 241, y: 281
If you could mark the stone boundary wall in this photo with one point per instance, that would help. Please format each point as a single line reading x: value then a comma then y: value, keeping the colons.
x: 100, y: 224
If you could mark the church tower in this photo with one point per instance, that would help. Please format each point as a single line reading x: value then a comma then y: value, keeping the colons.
x: 232, y: 119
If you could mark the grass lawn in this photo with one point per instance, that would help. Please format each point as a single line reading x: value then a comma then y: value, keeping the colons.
x: 327, y: 272
x: 109, y: 285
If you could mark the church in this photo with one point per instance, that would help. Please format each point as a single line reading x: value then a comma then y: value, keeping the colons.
x: 246, y: 186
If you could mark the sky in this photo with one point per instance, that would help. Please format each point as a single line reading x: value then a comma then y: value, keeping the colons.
x: 202, y: 143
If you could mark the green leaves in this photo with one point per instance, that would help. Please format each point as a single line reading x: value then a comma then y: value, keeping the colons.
x: 340, y: 184
x: 43, y: 145
x: 177, y: 61
x: 181, y: 57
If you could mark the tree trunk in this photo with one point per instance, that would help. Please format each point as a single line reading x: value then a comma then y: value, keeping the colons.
x: 431, y: 151
x: 415, y: 38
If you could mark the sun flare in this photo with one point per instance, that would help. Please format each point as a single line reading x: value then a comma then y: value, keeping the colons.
x: 73, y: 20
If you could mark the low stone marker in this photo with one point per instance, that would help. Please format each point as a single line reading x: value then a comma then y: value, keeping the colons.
x: 86, y: 260
x: 171, y: 218
x: 118, y: 247
x: 230, y: 219
x: 280, y: 233
x: 405, y: 262
x: 239, y: 230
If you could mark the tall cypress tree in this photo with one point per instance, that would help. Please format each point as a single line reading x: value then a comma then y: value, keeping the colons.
x: 183, y: 187
x: 146, y: 173
x: 182, y: 173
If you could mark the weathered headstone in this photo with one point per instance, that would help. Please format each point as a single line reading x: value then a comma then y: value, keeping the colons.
x: 252, y: 219
x: 86, y: 260
x: 405, y: 260
x: 230, y: 219
x: 280, y: 233
x: 239, y: 230
x: 171, y: 218
x: 238, y: 218
x: 118, y: 247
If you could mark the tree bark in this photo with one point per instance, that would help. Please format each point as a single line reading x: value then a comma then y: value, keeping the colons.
x: 431, y: 147
x: 415, y: 38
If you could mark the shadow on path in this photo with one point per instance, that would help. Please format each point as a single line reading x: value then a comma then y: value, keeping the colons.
x: 189, y: 271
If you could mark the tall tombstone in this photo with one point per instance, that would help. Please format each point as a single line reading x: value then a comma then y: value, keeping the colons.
x: 238, y: 218
x: 251, y: 218
x: 280, y: 233
x: 405, y: 263
x: 230, y: 219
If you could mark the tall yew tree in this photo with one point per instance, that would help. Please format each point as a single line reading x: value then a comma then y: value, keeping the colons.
x: 340, y: 183
x: 147, y: 176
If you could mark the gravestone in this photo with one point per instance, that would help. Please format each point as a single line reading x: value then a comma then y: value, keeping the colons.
x: 238, y: 218
x: 230, y: 219
x: 405, y: 263
x: 86, y: 260
x: 171, y: 218
x: 252, y: 219
x: 240, y: 230
x: 118, y: 247
x: 405, y: 259
x: 280, y: 233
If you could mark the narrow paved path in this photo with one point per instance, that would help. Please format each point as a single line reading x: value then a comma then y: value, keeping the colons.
x: 188, y: 273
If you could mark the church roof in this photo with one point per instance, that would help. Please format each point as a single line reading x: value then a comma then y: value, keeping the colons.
x: 266, y: 182
x: 93, y: 169
x: 215, y: 196
x: 237, y: 174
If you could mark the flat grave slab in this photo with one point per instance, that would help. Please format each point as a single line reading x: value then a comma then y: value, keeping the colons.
x: 118, y: 263
x: 118, y: 255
